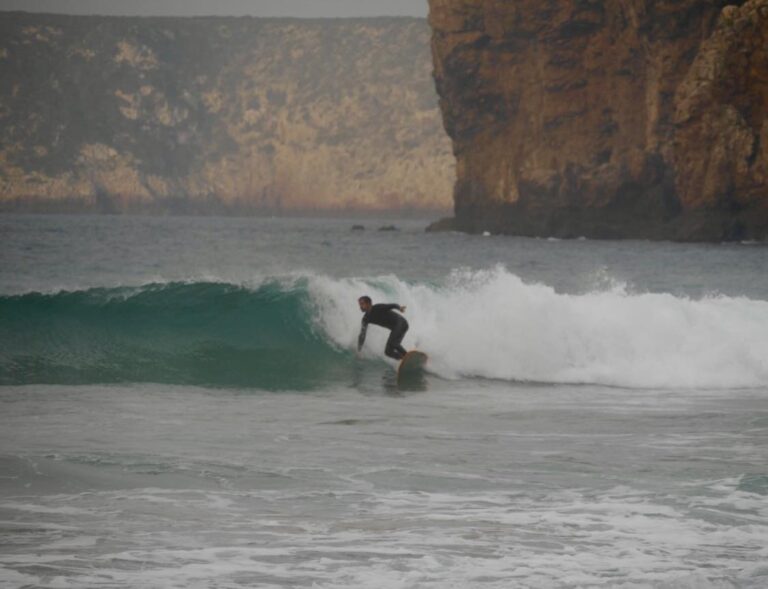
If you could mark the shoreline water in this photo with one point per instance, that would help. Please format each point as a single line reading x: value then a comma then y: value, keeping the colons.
x: 465, y: 484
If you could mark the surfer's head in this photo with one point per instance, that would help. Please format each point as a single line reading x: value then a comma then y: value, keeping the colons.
x: 365, y: 303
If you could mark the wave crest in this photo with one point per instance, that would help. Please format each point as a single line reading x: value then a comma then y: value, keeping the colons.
x: 300, y: 333
x: 182, y: 333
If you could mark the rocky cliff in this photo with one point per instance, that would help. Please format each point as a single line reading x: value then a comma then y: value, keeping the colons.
x: 219, y: 114
x: 625, y: 119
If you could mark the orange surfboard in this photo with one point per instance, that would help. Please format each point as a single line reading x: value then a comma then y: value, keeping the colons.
x: 412, y: 365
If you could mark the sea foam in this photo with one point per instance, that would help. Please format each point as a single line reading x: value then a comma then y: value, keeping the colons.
x: 492, y: 324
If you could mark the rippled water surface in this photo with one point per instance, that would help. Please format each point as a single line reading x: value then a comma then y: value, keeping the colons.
x: 182, y: 406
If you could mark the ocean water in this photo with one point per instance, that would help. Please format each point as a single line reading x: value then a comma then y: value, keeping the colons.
x: 182, y: 406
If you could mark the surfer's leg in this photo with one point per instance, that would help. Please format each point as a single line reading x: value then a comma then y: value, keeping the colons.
x: 392, y: 346
x: 393, y: 353
x: 394, y: 349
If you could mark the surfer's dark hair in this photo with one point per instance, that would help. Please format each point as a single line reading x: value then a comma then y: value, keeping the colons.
x: 365, y: 298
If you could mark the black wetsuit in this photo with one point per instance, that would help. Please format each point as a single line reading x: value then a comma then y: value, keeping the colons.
x: 385, y: 316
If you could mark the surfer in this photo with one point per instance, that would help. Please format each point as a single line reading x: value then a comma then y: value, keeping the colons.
x: 384, y: 315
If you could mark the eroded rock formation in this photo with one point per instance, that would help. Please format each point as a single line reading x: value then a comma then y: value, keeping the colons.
x: 626, y: 119
x: 219, y: 114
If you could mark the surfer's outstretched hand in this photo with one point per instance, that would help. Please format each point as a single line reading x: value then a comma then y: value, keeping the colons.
x: 402, y: 309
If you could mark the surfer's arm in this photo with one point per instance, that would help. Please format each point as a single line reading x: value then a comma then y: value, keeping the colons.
x: 361, y: 337
x: 396, y: 307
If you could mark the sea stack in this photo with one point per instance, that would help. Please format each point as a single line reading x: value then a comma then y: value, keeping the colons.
x: 629, y: 119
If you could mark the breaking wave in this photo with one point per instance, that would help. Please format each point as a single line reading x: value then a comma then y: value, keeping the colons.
x: 300, y: 333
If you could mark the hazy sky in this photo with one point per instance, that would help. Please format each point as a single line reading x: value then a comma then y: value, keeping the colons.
x: 265, y: 8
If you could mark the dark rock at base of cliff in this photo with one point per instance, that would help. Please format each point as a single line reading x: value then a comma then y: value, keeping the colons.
x: 702, y: 225
x: 444, y: 224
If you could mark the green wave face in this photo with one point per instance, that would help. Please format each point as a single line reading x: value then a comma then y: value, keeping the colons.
x: 207, y: 334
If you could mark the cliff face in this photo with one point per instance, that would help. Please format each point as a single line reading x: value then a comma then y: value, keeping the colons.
x: 634, y: 118
x: 210, y: 114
